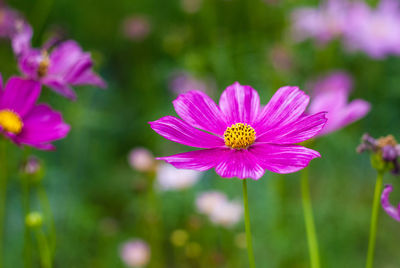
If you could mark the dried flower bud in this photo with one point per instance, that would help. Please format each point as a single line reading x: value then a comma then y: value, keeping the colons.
x: 385, y: 152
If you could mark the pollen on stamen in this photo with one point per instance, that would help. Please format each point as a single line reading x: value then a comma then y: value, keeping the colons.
x: 239, y: 136
x: 10, y: 121
x: 44, y: 64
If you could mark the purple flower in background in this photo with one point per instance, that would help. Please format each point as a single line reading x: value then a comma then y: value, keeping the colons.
x: 392, y: 211
x: 331, y: 94
x: 136, y: 28
x: 182, y: 82
x: 240, y: 138
x: 135, y: 253
x: 386, y: 148
x: 374, y: 31
x: 8, y: 20
x: 66, y: 65
x: 26, y: 123
x: 323, y: 23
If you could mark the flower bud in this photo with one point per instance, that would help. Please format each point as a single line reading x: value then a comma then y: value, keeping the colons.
x: 34, y: 219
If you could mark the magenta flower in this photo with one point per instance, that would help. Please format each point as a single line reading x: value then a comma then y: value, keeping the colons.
x: 392, y: 211
x: 240, y: 138
x: 26, y: 123
x: 330, y: 94
x: 66, y: 65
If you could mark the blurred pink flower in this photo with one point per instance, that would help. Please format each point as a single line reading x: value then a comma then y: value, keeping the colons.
x: 206, y: 202
x: 67, y: 65
x: 392, y: 211
x: 135, y: 253
x: 280, y: 58
x: 136, y: 27
x: 141, y: 159
x: 182, y: 82
x: 191, y: 6
x: 171, y: 178
x: 240, y: 138
x: 330, y: 94
x: 324, y: 23
x: 8, y: 20
x: 219, y: 209
x: 376, y: 31
x: 25, y: 122
x: 227, y: 214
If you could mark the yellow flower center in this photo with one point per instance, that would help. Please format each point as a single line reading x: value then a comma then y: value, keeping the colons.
x: 239, y: 136
x: 43, y: 65
x: 10, y: 121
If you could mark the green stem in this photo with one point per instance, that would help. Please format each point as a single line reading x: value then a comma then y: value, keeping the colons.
x: 25, y: 190
x: 27, y: 232
x: 3, y: 194
x: 247, y: 226
x: 44, y: 249
x: 374, y: 220
x: 49, y: 217
x: 309, y: 220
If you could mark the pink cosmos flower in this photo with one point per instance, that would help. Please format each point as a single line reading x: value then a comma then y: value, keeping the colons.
x: 135, y: 253
x: 324, y: 23
x: 136, y: 28
x: 374, y: 31
x: 392, y: 211
x: 8, y: 19
x: 240, y: 138
x: 66, y: 65
x: 331, y: 93
x: 26, y: 123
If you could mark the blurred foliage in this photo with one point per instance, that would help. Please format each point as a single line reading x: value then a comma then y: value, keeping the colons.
x: 98, y: 200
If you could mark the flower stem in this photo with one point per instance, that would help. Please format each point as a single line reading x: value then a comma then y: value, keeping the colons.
x: 44, y: 203
x: 247, y: 226
x: 27, y: 233
x: 374, y: 220
x: 44, y: 249
x: 309, y: 220
x: 3, y: 193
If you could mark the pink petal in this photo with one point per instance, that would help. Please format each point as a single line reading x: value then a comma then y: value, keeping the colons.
x: 354, y: 111
x: 282, y: 158
x: 60, y: 86
x: 228, y: 163
x: 199, y: 110
x: 241, y: 164
x: 240, y: 104
x: 285, y: 107
x: 200, y: 160
x: 42, y: 125
x: 64, y: 57
x: 179, y: 131
x: 390, y: 210
x: 20, y: 95
x: 89, y: 78
x: 304, y: 128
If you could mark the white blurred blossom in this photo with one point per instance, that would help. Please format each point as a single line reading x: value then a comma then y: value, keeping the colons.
x: 171, y: 178
x: 135, y: 253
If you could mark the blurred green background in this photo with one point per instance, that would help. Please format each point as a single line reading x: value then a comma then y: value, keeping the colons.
x: 99, y: 201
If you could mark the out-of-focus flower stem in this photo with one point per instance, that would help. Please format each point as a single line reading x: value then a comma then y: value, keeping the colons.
x: 156, y: 235
x: 374, y: 220
x: 44, y: 248
x: 309, y: 220
x: 247, y: 226
x: 3, y: 194
x: 26, y: 209
x: 49, y: 217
